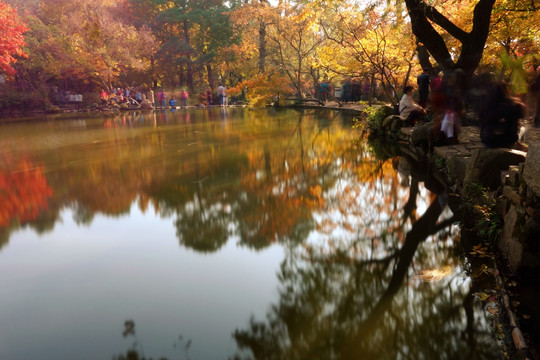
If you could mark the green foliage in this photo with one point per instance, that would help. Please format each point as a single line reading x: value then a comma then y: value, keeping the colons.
x: 518, y: 76
x: 22, y: 100
x: 373, y: 119
x: 479, y: 212
x: 440, y: 163
x: 476, y: 194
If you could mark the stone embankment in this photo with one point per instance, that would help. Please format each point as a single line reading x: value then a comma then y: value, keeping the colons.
x: 512, y: 178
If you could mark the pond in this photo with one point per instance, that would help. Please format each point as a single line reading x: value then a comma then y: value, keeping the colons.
x: 226, y: 234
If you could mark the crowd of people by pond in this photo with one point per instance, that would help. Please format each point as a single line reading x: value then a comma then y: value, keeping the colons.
x: 66, y: 97
x: 351, y: 90
x: 137, y: 96
x: 441, y: 100
x: 438, y: 98
x: 120, y: 96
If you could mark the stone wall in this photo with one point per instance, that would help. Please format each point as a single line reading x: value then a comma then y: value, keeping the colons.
x: 513, y: 178
x: 518, y: 204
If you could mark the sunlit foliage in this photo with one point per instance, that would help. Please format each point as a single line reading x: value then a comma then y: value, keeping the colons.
x: 11, y: 38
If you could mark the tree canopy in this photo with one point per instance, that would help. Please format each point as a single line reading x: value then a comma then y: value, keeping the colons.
x: 11, y: 38
x: 86, y: 44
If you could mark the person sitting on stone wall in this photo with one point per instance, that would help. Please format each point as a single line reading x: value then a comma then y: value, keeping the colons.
x: 409, y: 109
x: 499, y: 122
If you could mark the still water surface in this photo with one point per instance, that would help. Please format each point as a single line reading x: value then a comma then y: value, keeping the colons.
x: 226, y: 234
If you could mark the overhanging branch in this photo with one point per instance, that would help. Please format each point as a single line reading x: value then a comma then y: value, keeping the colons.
x: 434, y: 15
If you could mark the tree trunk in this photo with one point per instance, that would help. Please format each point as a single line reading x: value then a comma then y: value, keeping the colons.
x: 262, y: 41
x: 262, y: 47
x: 371, y: 89
x: 210, y: 76
x: 182, y: 76
x: 423, y: 57
x: 188, y: 56
x: 153, y: 73
x: 473, y: 42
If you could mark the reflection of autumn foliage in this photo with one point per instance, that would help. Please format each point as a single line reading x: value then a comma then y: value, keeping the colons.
x: 24, y: 192
x: 273, y: 218
x: 277, y: 205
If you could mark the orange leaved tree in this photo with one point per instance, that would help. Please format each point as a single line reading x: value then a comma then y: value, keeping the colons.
x: 11, y: 38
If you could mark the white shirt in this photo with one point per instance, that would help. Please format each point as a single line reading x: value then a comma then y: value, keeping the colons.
x: 406, y: 105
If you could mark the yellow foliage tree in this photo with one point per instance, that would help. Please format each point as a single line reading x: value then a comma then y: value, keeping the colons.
x: 263, y: 89
x: 376, y: 43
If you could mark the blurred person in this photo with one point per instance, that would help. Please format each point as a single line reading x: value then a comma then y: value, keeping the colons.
x: 162, y: 99
x: 499, y: 122
x: 183, y: 97
x: 222, y: 95
x: 208, y: 96
x: 104, y: 96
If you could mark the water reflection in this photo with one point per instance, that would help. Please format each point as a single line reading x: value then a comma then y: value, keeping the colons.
x: 361, y: 224
x: 216, y: 178
x: 24, y: 195
x: 338, y: 302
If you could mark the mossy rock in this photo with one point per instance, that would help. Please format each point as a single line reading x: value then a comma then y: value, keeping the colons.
x: 376, y: 120
x: 384, y: 111
x: 392, y: 123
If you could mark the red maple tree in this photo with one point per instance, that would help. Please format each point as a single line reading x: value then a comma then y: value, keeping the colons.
x: 11, y: 38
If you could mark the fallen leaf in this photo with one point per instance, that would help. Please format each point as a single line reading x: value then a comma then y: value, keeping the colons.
x: 482, y: 296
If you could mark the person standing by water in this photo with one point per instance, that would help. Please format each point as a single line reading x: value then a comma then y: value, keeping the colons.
x: 104, y: 96
x: 324, y: 90
x: 162, y: 99
x: 222, y: 95
x: 138, y: 96
x: 423, y: 87
x: 183, y: 97
x: 208, y: 97
x: 437, y: 100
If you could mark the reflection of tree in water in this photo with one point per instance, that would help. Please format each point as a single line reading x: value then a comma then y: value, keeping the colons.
x: 24, y: 196
x: 263, y: 191
x: 203, y: 209
x: 278, y: 200
x: 201, y: 227
x: 136, y: 352
x: 267, y: 198
x: 336, y: 303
